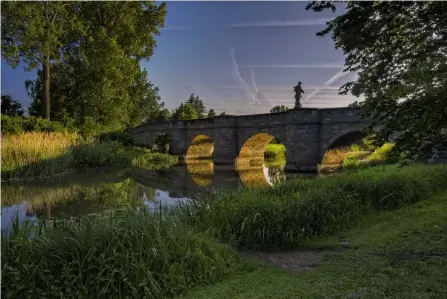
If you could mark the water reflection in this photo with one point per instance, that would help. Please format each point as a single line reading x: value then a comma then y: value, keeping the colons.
x: 106, y: 189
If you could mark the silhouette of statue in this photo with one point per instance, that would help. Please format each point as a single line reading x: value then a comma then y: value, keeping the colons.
x: 298, y: 91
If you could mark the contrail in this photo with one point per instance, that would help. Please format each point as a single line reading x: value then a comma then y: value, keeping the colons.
x: 338, y: 75
x: 241, y: 81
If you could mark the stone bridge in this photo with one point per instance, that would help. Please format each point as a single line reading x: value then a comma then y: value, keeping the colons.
x: 307, y: 134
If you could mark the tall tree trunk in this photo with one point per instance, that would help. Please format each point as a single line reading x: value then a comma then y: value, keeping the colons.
x: 46, y: 86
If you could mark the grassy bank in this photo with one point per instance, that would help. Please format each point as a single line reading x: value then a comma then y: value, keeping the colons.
x: 398, y: 254
x: 273, y: 151
x: 287, y: 216
x: 138, y: 255
x: 124, y: 256
x: 46, y: 154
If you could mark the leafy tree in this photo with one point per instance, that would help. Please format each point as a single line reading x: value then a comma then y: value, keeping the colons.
x: 11, y: 107
x: 355, y: 104
x: 198, y: 106
x: 399, y: 51
x: 278, y: 109
x: 98, y: 82
x: 185, y: 111
x: 211, y: 113
x: 163, y: 115
x: 222, y: 114
x: 35, y: 33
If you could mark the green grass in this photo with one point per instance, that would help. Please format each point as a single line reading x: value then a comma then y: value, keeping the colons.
x: 125, y: 255
x: 275, y: 151
x: 35, y: 154
x: 286, y: 216
x: 398, y: 254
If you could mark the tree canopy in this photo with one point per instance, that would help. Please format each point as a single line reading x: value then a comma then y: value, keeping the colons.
x: 278, y: 109
x: 399, y: 52
x: 11, y: 107
x: 211, y: 113
x: 93, y: 50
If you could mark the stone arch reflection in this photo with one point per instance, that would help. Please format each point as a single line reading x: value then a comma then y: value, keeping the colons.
x: 262, y: 176
x: 201, y: 171
x: 202, y: 147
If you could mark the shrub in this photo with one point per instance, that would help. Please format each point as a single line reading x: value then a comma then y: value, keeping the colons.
x: 126, y: 255
x: 121, y: 136
x: 18, y: 124
x: 275, y: 151
x: 286, y: 216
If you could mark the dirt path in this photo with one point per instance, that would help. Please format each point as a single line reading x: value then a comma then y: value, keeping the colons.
x: 295, y: 261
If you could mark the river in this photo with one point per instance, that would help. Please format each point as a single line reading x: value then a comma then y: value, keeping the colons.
x: 100, y: 190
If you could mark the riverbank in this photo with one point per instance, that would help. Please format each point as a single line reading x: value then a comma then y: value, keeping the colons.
x: 39, y: 154
x: 133, y: 253
x: 396, y: 254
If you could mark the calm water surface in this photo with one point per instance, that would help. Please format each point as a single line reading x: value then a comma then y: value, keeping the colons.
x: 97, y: 191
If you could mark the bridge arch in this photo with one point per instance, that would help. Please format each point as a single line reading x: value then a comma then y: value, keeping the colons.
x: 201, y: 147
x: 336, y: 150
x: 345, y: 139
x: 252, y: 151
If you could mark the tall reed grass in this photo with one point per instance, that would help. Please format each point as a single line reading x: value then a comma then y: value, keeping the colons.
x: 286, y: 216
x: 45, y: 154
x: 126, y: 255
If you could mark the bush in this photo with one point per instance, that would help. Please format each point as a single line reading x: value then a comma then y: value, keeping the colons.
x: 275, y: 151
x: 286, y: 216
x: 18, y: 124
x: 121, y: 136
x: 126, y: 255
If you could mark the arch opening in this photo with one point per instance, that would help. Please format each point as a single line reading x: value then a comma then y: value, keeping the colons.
x: 202, y: 147
x: 349, y: 148
x: 261, y: 161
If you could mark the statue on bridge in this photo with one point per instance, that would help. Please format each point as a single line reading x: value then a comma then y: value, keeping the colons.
x: 298, y: 91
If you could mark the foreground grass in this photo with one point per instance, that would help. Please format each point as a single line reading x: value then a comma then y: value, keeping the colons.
x: 46, y: 154
x: 288, y: 215
x: 400, y: 254
x: 129, y: 255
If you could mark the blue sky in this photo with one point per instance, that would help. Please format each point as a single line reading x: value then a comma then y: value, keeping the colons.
x: 238, y: 57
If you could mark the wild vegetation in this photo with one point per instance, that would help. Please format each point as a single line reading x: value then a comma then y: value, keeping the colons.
x: 288, y: 215
x: 129, y: 253
x: 402, y: 77
x: 45, y: 154
x: 125, y: 255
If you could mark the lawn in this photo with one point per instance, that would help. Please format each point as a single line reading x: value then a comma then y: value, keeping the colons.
x: 399, y: 254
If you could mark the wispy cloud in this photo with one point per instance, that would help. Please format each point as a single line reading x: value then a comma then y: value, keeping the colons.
x: 268, y: 23
x: 281, y: 23
x: 321, y: 65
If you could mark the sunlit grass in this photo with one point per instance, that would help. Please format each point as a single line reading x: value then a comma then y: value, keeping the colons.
x: 275, y: 151
x: 47, y: 154
x: 25, y: 149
